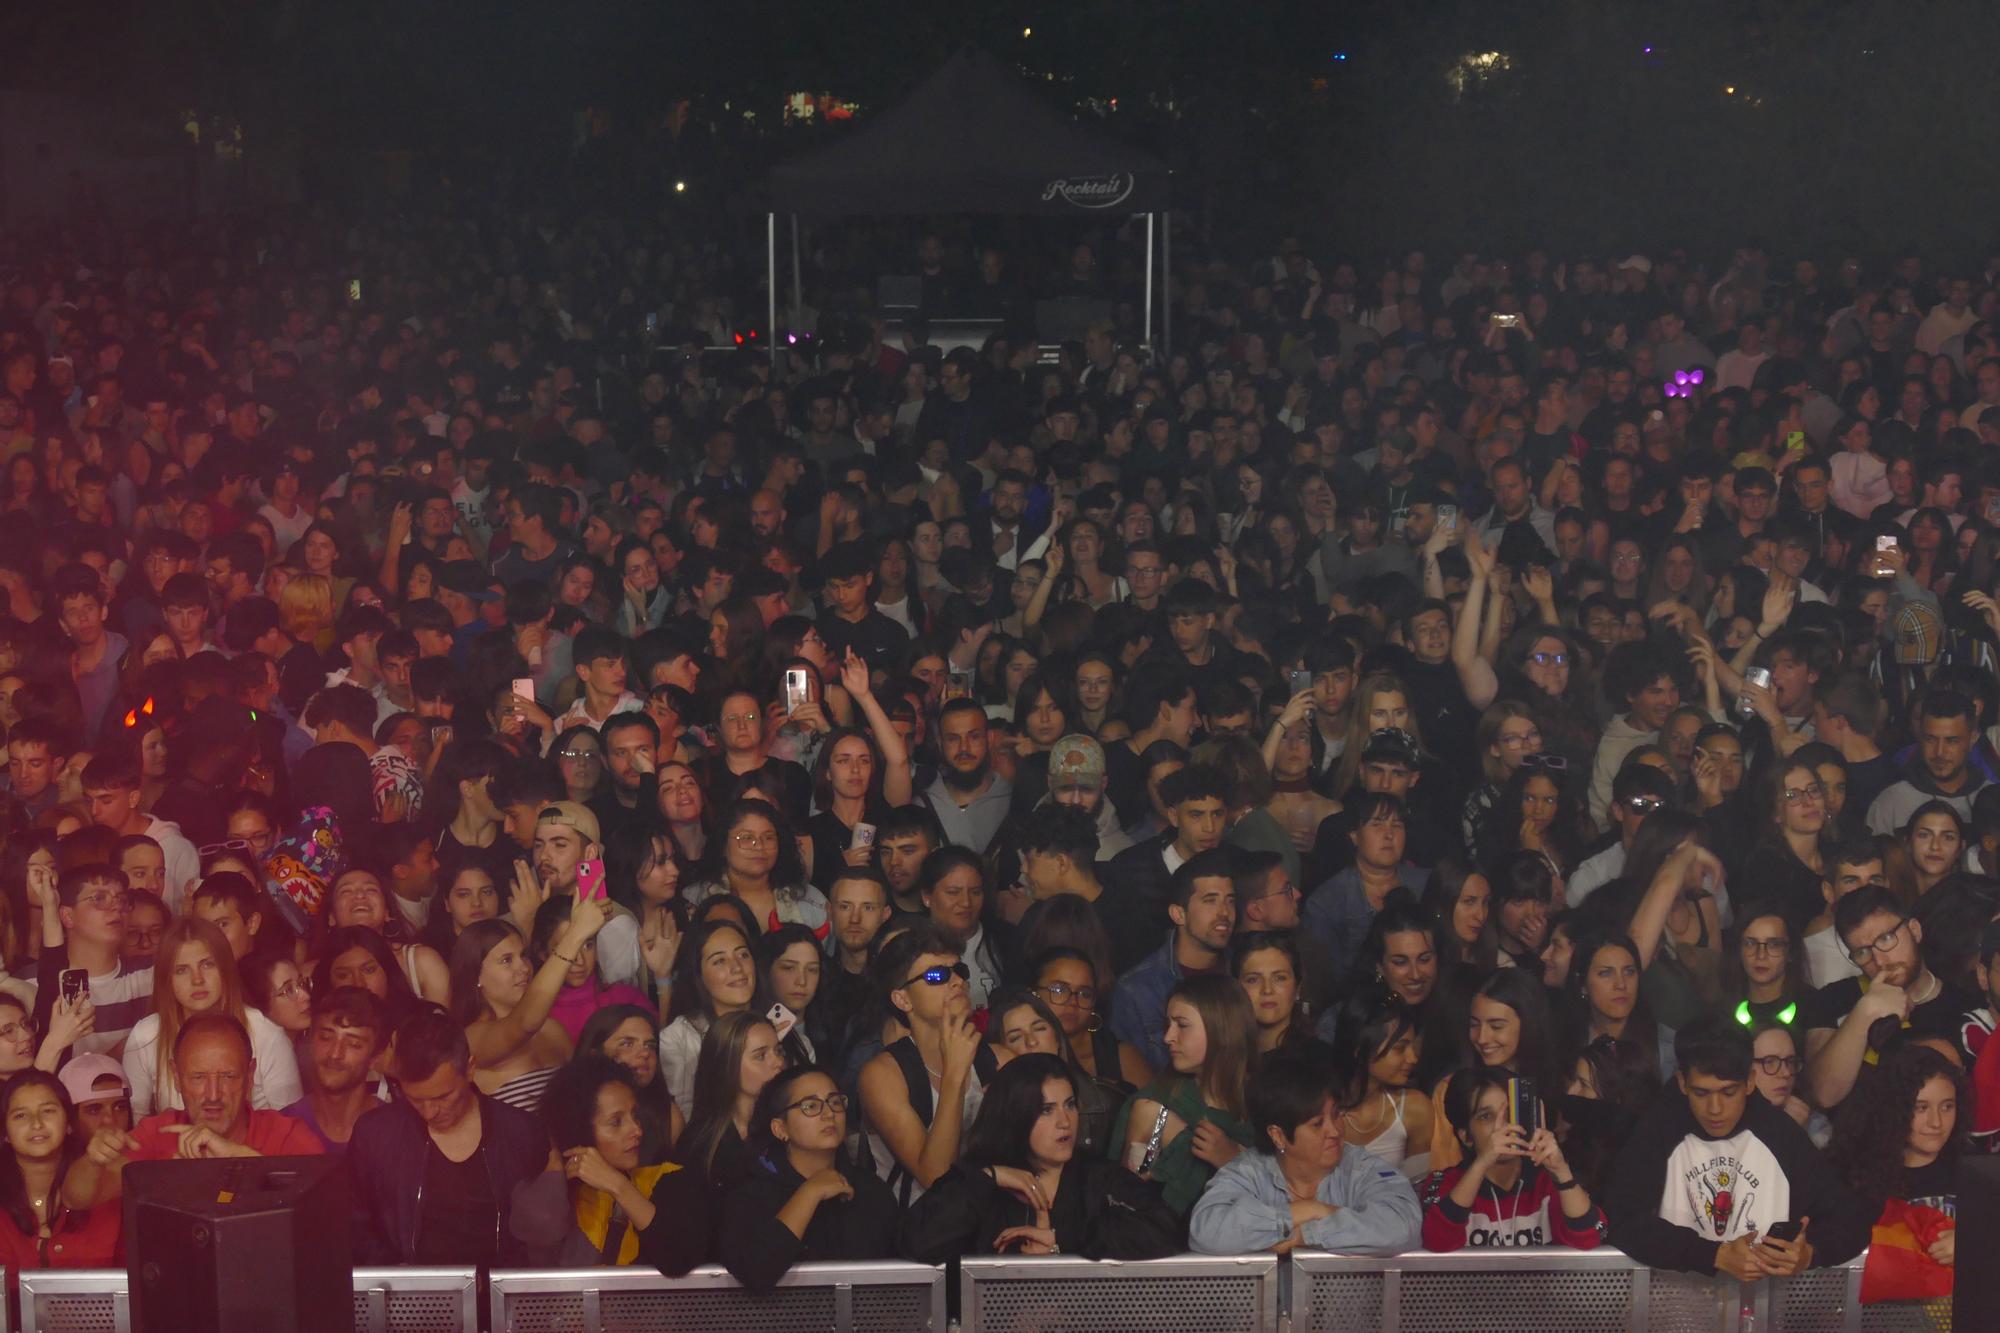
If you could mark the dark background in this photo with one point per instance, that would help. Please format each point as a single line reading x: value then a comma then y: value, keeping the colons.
x: 1863, y: 124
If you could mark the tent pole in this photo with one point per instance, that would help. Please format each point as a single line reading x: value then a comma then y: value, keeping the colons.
x: 771, y: 267
x: 1150, y: 219
x: 798, y: 282
x: 1166, y: 286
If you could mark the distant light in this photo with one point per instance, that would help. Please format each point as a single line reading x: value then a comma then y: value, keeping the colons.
x: 1729, y: 90
x: 1648, y: 50
x: 1340, y: 57
x: 791, y: 340
x: 1027, y: 32
x: 680, y: 187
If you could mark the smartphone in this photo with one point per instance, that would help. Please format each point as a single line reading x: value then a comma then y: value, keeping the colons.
x: 864, y: 836
x: 524, y: 688
x: 1447, y: 518
x: 75, y: 983
x: 781, y: 1018
x: 652, y: 321
x: 1886, y: 542
x: 590, y: 878
x: 1302, y: 680
x: 797, y: 690
x: 959, y: 686
x: 354, y: 289
x: 1524, y: 1108
x: 1506, y: 321
x: 1786, y: 1230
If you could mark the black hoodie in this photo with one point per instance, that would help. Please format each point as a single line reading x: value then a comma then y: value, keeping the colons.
x: 1677, y: 1195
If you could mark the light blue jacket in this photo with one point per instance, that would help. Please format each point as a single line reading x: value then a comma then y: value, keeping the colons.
x: 1247, y: 1208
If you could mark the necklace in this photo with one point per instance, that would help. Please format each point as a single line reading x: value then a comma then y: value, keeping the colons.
x: 1930, y: 992
x: 1381, y: 1121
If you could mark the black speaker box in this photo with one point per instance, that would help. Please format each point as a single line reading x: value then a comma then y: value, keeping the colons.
x: 242, y: 1245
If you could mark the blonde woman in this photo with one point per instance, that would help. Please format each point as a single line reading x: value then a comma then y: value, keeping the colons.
x: 305, y: 610
x: 1381, y: 700
x: 195, y: 973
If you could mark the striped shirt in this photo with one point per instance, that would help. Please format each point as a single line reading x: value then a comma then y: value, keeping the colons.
x: 122, y: 996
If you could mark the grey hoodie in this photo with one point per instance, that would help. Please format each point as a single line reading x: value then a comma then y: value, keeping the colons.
x: 1247, y: 1208
x: 1620, y: 739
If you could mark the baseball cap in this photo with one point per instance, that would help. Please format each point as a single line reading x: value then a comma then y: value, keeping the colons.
x: 1076, y: 761
x: 576, y: 816
x: 1392, y: 744
x: 79, y: 1078
x: 468, y: 578
x: 1919, y: 632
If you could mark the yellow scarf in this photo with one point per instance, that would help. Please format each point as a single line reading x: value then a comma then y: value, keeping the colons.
x: 594, y: 1209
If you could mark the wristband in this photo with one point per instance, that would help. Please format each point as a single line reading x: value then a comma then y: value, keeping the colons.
x: 1565, y: 1185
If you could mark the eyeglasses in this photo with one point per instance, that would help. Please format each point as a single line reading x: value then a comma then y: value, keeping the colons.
x: 105, y: 902
x: 581, y: 756
x: 1549, y: 659
x: 1811, y: 792
x: 1554, y: 763
x: 1057, y: 992
x: 300, y: 987
x: 1779, y: 1064
x: 1771, y: 948
x: 938, y: 976
x: 15, y: 1031
x: 815, y: 1107
x: 749, y: 841
x: 209, y: 849
x: 1524, y: 738
x: 1882, y: 944
x: 1642, y: 805
x: 739, y: 719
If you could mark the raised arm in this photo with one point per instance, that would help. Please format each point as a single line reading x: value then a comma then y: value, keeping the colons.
x: 495, y: 1041
x: 1038, y: 604
x: 1650, y: 921
x: 1475, y: 673
x: 896, y: 785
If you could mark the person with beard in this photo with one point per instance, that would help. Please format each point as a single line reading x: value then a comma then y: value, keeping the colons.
x: 350, y: 1031
x: 969, y: 798
x: 1896, y: 989
x: 1202, y: 908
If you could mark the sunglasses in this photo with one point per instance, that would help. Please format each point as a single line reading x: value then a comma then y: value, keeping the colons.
x: 1643, y: 805
x: 938, y: 976
x: 1553, y: 763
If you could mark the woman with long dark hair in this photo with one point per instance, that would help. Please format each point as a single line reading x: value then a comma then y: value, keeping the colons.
x: 1020, y: 1186
x: 629, y: 1034
x: 1460, y: 900
x: 37, y: 1229
x: 1788, y: 862
x: 715, y: 974
x: 1510, y: 1027
x: 739, y: 1055
x: 1026, y: 1025
x: 1601, y: 998
x: 1376, y: 1049
x: 1899, y: 1136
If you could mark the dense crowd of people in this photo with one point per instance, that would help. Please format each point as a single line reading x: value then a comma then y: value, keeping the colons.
x: 1499, y: 752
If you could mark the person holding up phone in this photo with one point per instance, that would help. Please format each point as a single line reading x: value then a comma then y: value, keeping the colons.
x: 1706, y: 1180
x: 1515, y: 1187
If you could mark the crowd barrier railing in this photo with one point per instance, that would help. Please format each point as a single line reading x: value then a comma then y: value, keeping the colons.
x: 1188, y: 1294
x: 811, y: 1298
x: 386, y: 1300
x: 1547, y: 1290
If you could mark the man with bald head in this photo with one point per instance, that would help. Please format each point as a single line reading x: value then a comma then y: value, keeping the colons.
x: 213, y: 1067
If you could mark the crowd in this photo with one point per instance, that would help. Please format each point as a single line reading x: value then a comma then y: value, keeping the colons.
x: 1499, y: 752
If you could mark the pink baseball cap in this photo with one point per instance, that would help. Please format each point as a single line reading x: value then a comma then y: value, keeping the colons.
x: 79, y: 1079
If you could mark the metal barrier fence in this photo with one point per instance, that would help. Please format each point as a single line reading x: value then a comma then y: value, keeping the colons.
x: 811, y: 1298
x: 1190, y: 1294
x: 1548, y: 1290
x: 386, y: 1300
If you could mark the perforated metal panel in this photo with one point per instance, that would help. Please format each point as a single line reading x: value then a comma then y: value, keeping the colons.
x: 1337, y: 1302
x: 1559, y: 1302
x: 1907, y: 1317
x: 1814, y: 1301
x: 1156, y: 1303
x: 1686, y: 1303
x: 895, y: 1310
x: 70, y: 1312
x: 413, y: 1312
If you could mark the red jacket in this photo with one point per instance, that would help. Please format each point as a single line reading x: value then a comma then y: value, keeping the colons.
x: 1529, y: 1214
x: 91, y: 1239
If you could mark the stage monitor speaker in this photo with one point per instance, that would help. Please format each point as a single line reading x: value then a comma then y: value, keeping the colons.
x: 240, y: 1245
x: 1976, y: 1290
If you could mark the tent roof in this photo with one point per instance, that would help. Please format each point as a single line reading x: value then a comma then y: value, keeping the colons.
x: 972, y: 138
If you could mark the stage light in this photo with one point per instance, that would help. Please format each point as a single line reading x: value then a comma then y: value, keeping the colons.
x: 680, y: 187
